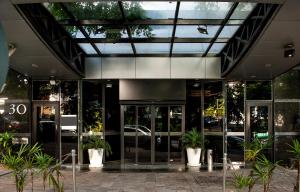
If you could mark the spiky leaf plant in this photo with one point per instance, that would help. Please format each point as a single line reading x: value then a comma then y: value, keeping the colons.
x: 192, y: 139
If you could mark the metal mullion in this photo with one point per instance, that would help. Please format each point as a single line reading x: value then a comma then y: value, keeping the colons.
x: 226, y: 19
x: 169, y: 135
x: 127, y: 27
x: 174, y: 27
x: 65, y: 9
x: 136, y: 133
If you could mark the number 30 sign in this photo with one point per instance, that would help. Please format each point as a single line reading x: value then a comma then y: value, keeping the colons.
x: 19, y: 109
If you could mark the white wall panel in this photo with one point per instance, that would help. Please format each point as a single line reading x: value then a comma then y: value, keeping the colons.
x: 187, y: 67
x: 118, y: 68
x: 213, y: 68
x: 93, y: 68
x: 153, y: 68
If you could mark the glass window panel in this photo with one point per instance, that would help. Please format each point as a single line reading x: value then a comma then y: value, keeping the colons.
x: 192, y: 31
x: 235, y: 148
x: 213, y: 106
x: 282, y: 150
x: 204, y: 10
x: 242, y: 10
x: 87, y: 48
x: 95, y: 10
x: 148, y: 48
x: 228, y: 31
x: 155, y: 31
x: 287, y: 85
x: 235, y: 22
x: 43, y: 90
x: 235, y: 106
x: 150, y: 9
x: 258, y: 90
x: 56, y: 10
x: 114, y: 48
x: 175, y: 149
x: 217, y: 48
x: 287, y: 116
x: 74, y: 32
x: 175, y: 118
x: 190, y: 47
x: 110, y: 32
x: 216, y: 144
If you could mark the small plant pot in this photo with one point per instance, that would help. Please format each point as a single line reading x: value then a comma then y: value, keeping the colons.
x: 193, y: 156
x: 95, y: 157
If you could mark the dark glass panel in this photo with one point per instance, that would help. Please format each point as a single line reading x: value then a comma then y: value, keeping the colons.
x: 216, y: 144
x: 161, y: 148
x: 161, y: 119
x: 235, y: 149
x: 258, y: 90
x: 43, y: 90
x: 144, y: 134
x: 287, y: 86
x: 281, y: 150
x: 67, y: 144
x: 175, y: 149
x: 287, y: 116
x: 175, y: 118
x: 235, y: 107
x: 193, y: 105
x: 92, y: 107
x: 213, y: 106
x: 259, y: 122
x: 130, y: 134
x: 69, y: 98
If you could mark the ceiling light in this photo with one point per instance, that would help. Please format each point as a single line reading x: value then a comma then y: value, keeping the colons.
x: 202, y: 29
x: 253, y: 76
x: 268, y: 65
x: 289, y: 50
x: 108, y: 85
x: 11, y: 49
x: 52, y: 80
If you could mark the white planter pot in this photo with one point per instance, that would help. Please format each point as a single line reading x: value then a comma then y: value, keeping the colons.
x: 95, y: 156
x: 193, y: 156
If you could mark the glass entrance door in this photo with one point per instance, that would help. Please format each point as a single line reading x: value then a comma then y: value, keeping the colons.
x: 259, y: 123
x: 151, y: 134
x: 46, y: 128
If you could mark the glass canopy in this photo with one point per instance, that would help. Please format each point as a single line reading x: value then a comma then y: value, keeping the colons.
x: 164, y: 28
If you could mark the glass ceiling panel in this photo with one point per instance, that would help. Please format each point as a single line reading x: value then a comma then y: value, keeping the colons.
x: 110, y: 32
x: 149, y: 9
x: 192, y: 31
x: 115, y: 48
x: 190, y: 47
x: 95, y: 10
x: 228, y: 31
x: 204, y: 10
x: 74, y: 32
x: 87, y: 48
x: 152, y: 48
x: 242, y: 10
x: 155, y: 31
x: 56, y: 10
x: 217, y: 48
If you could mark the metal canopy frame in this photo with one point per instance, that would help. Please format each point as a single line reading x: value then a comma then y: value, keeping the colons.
x: 246, y: 35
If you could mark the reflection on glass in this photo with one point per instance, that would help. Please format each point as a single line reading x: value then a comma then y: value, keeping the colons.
x: 87, y: 48
x: 213, y: 107
x: 204, y: 10
x: 258, y: 90
x: 190, y: 47
x: 67, y: 144
x: 228, y: 31
x: 175, y: 149
x: 43, y: 90
x: 287, y: 86
x: 46, y: 129
x: 130, y: 134
x: 92, y: 106
x: 161, y: 134
x: 160, y: 31
x: 74, y: 32
x: 148, y: 48
x: 259, y: 122
x: 154, y: 9
x: 69, y: 98
x: 161, y: 148
x: 282, y: 150
x: 161, y: 119
x: 175, y: 118
x: 144, y: 134
x: 115, y: 48
x: 242, y: 10
x: 287, y: 116
x: 191, y: 31
x: 235, y: 106
x: 235, y: 148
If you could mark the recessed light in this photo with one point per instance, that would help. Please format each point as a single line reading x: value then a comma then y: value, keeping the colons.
x: 253, y: 76
x: 34, y: 65
x: 268, y: 65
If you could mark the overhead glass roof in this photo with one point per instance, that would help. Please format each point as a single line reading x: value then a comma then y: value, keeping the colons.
x: 165, y: 28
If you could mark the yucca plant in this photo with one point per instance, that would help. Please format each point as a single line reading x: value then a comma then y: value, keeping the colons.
x: 241, y: 182
x: 43, y: 163
x: 192, y: 139
x: 263, y: 170
x: 295, y: 150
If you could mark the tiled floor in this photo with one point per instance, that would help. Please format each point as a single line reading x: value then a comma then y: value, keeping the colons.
x: 98, y: 181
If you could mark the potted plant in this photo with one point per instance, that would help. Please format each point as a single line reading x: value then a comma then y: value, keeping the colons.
x: 96, y: 146
x: 192, y: 141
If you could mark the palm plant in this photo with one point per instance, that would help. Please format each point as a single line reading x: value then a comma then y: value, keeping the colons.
x: 43, y: 162
x: 263, y: 170
x: 240, y: 182
x: 54, y: 177
x: 192, y: 139
x: 96, y: 142
x: 6, y: 142
x: 295, y: 150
